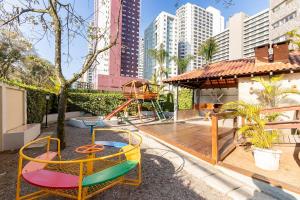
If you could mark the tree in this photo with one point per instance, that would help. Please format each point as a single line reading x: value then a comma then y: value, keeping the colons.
x: 294, y: 37
x: 60, y: 19
x: 208, y: 49
x: 13, y: 49
x: 39, y: 72
x: 160, y: 56
x: 182, y: 63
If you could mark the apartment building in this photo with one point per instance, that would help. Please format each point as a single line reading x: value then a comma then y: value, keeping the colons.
x: 242, y: 35
x: 256, y: 32
x: 141, y: 59
x: 284, y: 17
x: 162, y: 31
x: 195, y: 25
x: 120, y: 63
x: 222, y: 39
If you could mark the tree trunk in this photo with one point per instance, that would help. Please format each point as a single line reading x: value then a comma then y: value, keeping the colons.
x: 62, y: 105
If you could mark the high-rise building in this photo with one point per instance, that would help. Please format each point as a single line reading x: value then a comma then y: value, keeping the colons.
x: 242, y: 35
x: 141, y: 59
x: 284, y: 17
x: 161, y: 32
x: 222, y: 39
x: 218, y: 20
x: 256, y: 32
x: 195, y: 25
x: 267, y: 26
x: 119, y: 64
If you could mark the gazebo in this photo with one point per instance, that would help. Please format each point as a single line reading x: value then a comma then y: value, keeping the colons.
x: 236, y: 75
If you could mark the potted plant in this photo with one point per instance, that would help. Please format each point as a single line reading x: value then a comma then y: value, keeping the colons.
x: 255, y: 132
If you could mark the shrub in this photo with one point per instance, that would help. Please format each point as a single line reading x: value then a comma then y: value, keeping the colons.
x: 36, y: 105
x: 96, y: 103
x: 185, y: 99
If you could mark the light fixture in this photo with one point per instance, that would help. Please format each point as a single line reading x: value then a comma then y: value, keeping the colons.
x: 271, y: 73
x: 291, y: 71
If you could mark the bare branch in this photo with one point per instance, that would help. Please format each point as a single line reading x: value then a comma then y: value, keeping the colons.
x: 15, y: 17
x: 91, y: 58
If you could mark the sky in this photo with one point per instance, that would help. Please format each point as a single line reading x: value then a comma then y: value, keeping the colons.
x: 149, y: 10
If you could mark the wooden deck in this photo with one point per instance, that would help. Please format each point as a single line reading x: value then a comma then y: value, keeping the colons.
x: 195, y: 139
x: 288, y: 175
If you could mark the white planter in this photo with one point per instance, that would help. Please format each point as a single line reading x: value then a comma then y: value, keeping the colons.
x: 266, y: 159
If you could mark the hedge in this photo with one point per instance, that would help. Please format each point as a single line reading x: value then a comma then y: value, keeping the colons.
x: 36, y: 105
x: 96, y: 103
x: 91, y: 101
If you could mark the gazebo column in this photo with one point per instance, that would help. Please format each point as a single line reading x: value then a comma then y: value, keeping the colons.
x: 193, y: 98
x: 175, y: 88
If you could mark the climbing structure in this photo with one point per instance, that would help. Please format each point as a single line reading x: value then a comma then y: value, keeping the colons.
x: 139, y: 92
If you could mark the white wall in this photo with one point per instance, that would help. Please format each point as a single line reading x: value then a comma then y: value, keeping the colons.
x: 236, y: 28
x: 288, y: 81
x: 209, y: 95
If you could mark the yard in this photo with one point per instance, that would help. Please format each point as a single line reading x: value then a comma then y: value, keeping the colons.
x: 160, y: 178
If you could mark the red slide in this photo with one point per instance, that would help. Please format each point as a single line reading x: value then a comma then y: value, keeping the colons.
x: 120, y: 108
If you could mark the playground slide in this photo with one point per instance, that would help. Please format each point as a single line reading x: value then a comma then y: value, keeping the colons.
x: 120, y: 108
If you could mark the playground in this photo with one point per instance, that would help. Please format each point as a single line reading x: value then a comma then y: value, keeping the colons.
x: 160, y: 177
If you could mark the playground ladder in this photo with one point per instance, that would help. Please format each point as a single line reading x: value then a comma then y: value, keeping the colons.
x: 158, y: 110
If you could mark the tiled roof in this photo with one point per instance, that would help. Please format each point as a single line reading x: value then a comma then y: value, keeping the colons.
x: 240, y: 67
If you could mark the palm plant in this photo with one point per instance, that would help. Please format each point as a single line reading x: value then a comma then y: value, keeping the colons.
x: 160, y: 56
x: 294, y: 37
x: 272, y: 94
x: 208, y: 49
x: 154, y: 81
x: 254, y: 130
x: 182, y: 63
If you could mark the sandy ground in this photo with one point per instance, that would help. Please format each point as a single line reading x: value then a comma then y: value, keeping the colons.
x: 161, y: 180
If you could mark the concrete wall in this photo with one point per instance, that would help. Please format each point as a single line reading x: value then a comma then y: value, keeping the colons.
x: 12, y: 109
x: 53, y: 117
x: 14, y: 114
x: 288, y: 81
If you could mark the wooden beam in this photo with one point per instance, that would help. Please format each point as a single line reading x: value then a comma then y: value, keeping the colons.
x: 214, y: 139
x: 281, y: 109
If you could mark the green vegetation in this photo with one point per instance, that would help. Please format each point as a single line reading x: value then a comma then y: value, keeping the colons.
x: 272, y: 93
x: 13, y: 50
x: 254, y: 129
x: 294, y: 37
x: 96, y: 103
x: 160, y: 56
x: 185, y: 99
x: 182, y: 63
x: 208, y: 49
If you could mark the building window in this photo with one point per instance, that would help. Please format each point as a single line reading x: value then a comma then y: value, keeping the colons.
x: 285, y: 20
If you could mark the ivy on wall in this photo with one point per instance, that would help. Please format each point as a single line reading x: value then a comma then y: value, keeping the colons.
x: 185, y: 99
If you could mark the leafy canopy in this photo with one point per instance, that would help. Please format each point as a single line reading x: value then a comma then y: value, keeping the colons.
x: 160, y: 56
x: 208, y: 49
x: 182, y: 63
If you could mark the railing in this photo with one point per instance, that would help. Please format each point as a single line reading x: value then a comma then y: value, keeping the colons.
x: 220, y: 150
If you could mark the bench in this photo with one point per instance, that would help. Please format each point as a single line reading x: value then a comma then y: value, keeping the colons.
x: 34, y: 166
x: 109, y: 174
x: 17, y: 137
x: 51, y: 179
